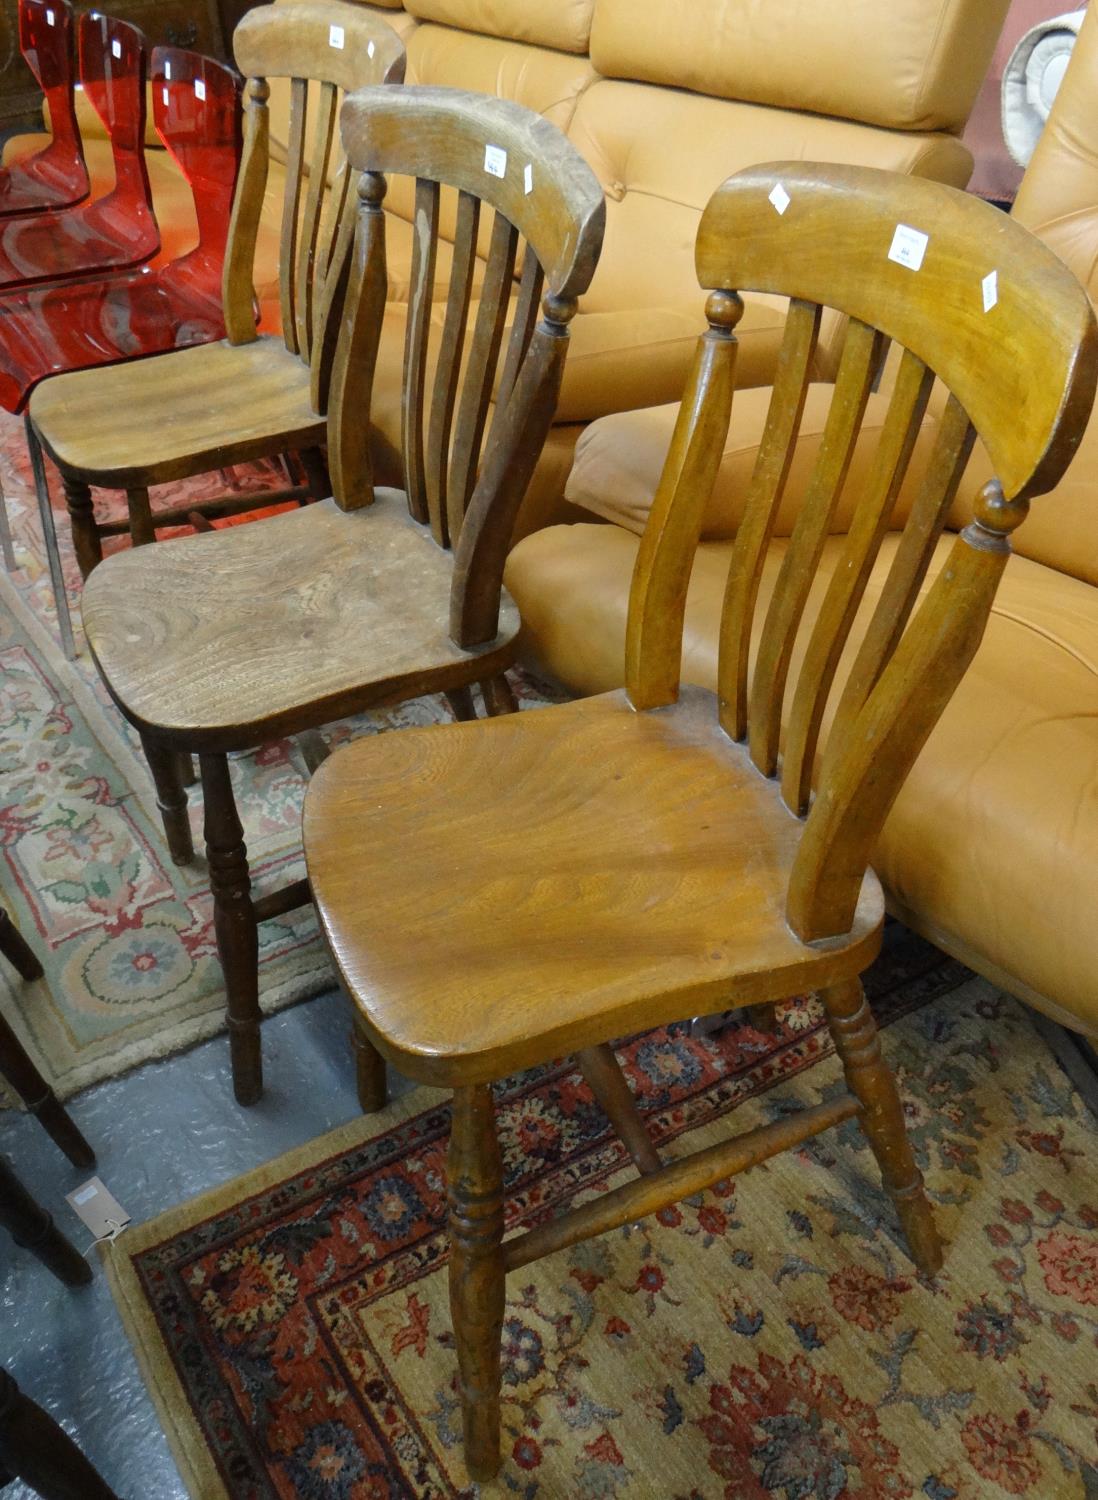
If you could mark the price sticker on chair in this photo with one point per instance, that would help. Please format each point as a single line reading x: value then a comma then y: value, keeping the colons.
x: 116, y: 48
x: 528, y: 179
x: 495, y: 161
x: 990, y: 288
x: 780, y: 198
x: 167, y: 67
x: 199, y: 88
x: 370, y: 49
x: 50, y: 20
x: 336, y: 37
x: 908, y: 247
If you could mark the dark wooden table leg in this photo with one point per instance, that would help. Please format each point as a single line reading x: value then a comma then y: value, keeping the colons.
x: 33, y: 1229
x: 14, y: 948
x: 34, y: 1448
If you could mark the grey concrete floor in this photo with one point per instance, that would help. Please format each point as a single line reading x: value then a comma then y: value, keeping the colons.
x: 162, y: 1133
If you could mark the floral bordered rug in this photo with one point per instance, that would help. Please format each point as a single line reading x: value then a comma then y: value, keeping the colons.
x: 767, y: 1341
x: 126, y: 937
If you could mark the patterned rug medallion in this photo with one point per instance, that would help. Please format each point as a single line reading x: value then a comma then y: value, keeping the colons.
x: 125, y: 936
x: 768, y: 1341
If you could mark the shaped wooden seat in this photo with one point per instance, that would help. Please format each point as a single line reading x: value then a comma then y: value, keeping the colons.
x: 497, y: 895
x: 514, y: 816
x: 216, y: 643
x: 331, y: 612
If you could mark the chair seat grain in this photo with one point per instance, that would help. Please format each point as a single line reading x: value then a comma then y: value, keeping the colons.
x: 174, y: 414
x: 333, y: 611
x: 499, y: 828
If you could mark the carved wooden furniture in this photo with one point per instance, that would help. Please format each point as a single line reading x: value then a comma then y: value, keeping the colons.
x: 55, y: 176
x: 577, y: 874
x: 223, y: 642
x: 34, y: 1448
x: 118, y: 230
x: 223, y: 403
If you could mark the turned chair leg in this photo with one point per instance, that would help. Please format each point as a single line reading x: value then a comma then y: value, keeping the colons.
x: 475, y: 1171
x: 498, y: 697
x: 171, y: 799
x: 373, y: 1091
x: 86, y: 541
x: 316, y: 473
x: 234, y: 925
x: 870, y: 1080
x: 16, y: 950
x: 33, y: 1229
x: 142, y: 530
x: 34, y: 1448
x: 461, y: 704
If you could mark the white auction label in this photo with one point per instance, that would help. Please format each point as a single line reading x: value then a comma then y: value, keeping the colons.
x: 908, y: 247
x: 495, y: 161
x: 335, y: 37
x: 116, y: 48
x: 990, y: 287
x: 167, y: 96
x: 49, y: 18
x: 780, y: 198
x: 199, y: 89
x: 370, y: 49
x: 528, y: 178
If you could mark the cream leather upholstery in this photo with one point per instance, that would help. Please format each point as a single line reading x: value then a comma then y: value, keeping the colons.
x: 992, y: 848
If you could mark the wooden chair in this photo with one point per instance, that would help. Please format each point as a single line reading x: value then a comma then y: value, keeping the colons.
x: 501, y: 893
x: 153, y: 421
x: 38, y: 1450
x: 226, y: 641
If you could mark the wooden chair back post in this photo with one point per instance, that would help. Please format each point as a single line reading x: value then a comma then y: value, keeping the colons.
x: 335, y: 48
x: 466, y: 486
x: 969, y: 298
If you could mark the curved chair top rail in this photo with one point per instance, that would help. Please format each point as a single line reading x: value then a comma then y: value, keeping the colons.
x: 927, y: 243
x: 323, y: 40
x: 499, y: 151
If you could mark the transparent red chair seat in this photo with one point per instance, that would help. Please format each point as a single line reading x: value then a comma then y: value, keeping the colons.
x: 115, y: 231
x: 55, y: 176
x: 104, y: 319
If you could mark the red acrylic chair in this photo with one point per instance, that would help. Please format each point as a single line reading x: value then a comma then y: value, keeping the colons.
x: 56, y: 176
x: 102, y: 320
x: 118, y: 230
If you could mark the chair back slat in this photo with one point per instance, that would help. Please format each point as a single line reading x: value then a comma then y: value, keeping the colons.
x: 309, y: 254
x: 480, y: 374
x: 523, y: 323
x: 853, y: 382
x: 292, y: 195
x: 764, y: 498
x: 895, y: 447
x: 543, y: 196
x: 448, y: 365
x: 325, y: 48
x: 417, y: 334
x: 966, y: 297
x: 937, y: 492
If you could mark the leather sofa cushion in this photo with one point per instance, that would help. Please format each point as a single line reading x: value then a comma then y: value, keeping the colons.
x: 562, y: 24
x: 912, y: 65
x: 994, y: 839
x: 654, y: 201
x: 620, y: 458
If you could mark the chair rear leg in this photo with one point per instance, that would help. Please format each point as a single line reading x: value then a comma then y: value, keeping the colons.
x: 498, y: 697
x: 605, y: 1079
x: 235, y: 926
x: 373, y: 1092
x: 86, y: 541
x: 16, y: 950
x: 171, y: 799
x: 316, y: 473
x: 475, y: 1171
x: 870, y: 1080
x: 18, y: 1069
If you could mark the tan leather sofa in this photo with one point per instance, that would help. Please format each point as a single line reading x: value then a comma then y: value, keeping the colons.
x: 992, y: 847
x: 665, y: 100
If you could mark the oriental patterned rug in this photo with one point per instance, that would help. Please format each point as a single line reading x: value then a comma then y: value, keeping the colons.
x: 767, y: 1341
x: 125, y: 936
